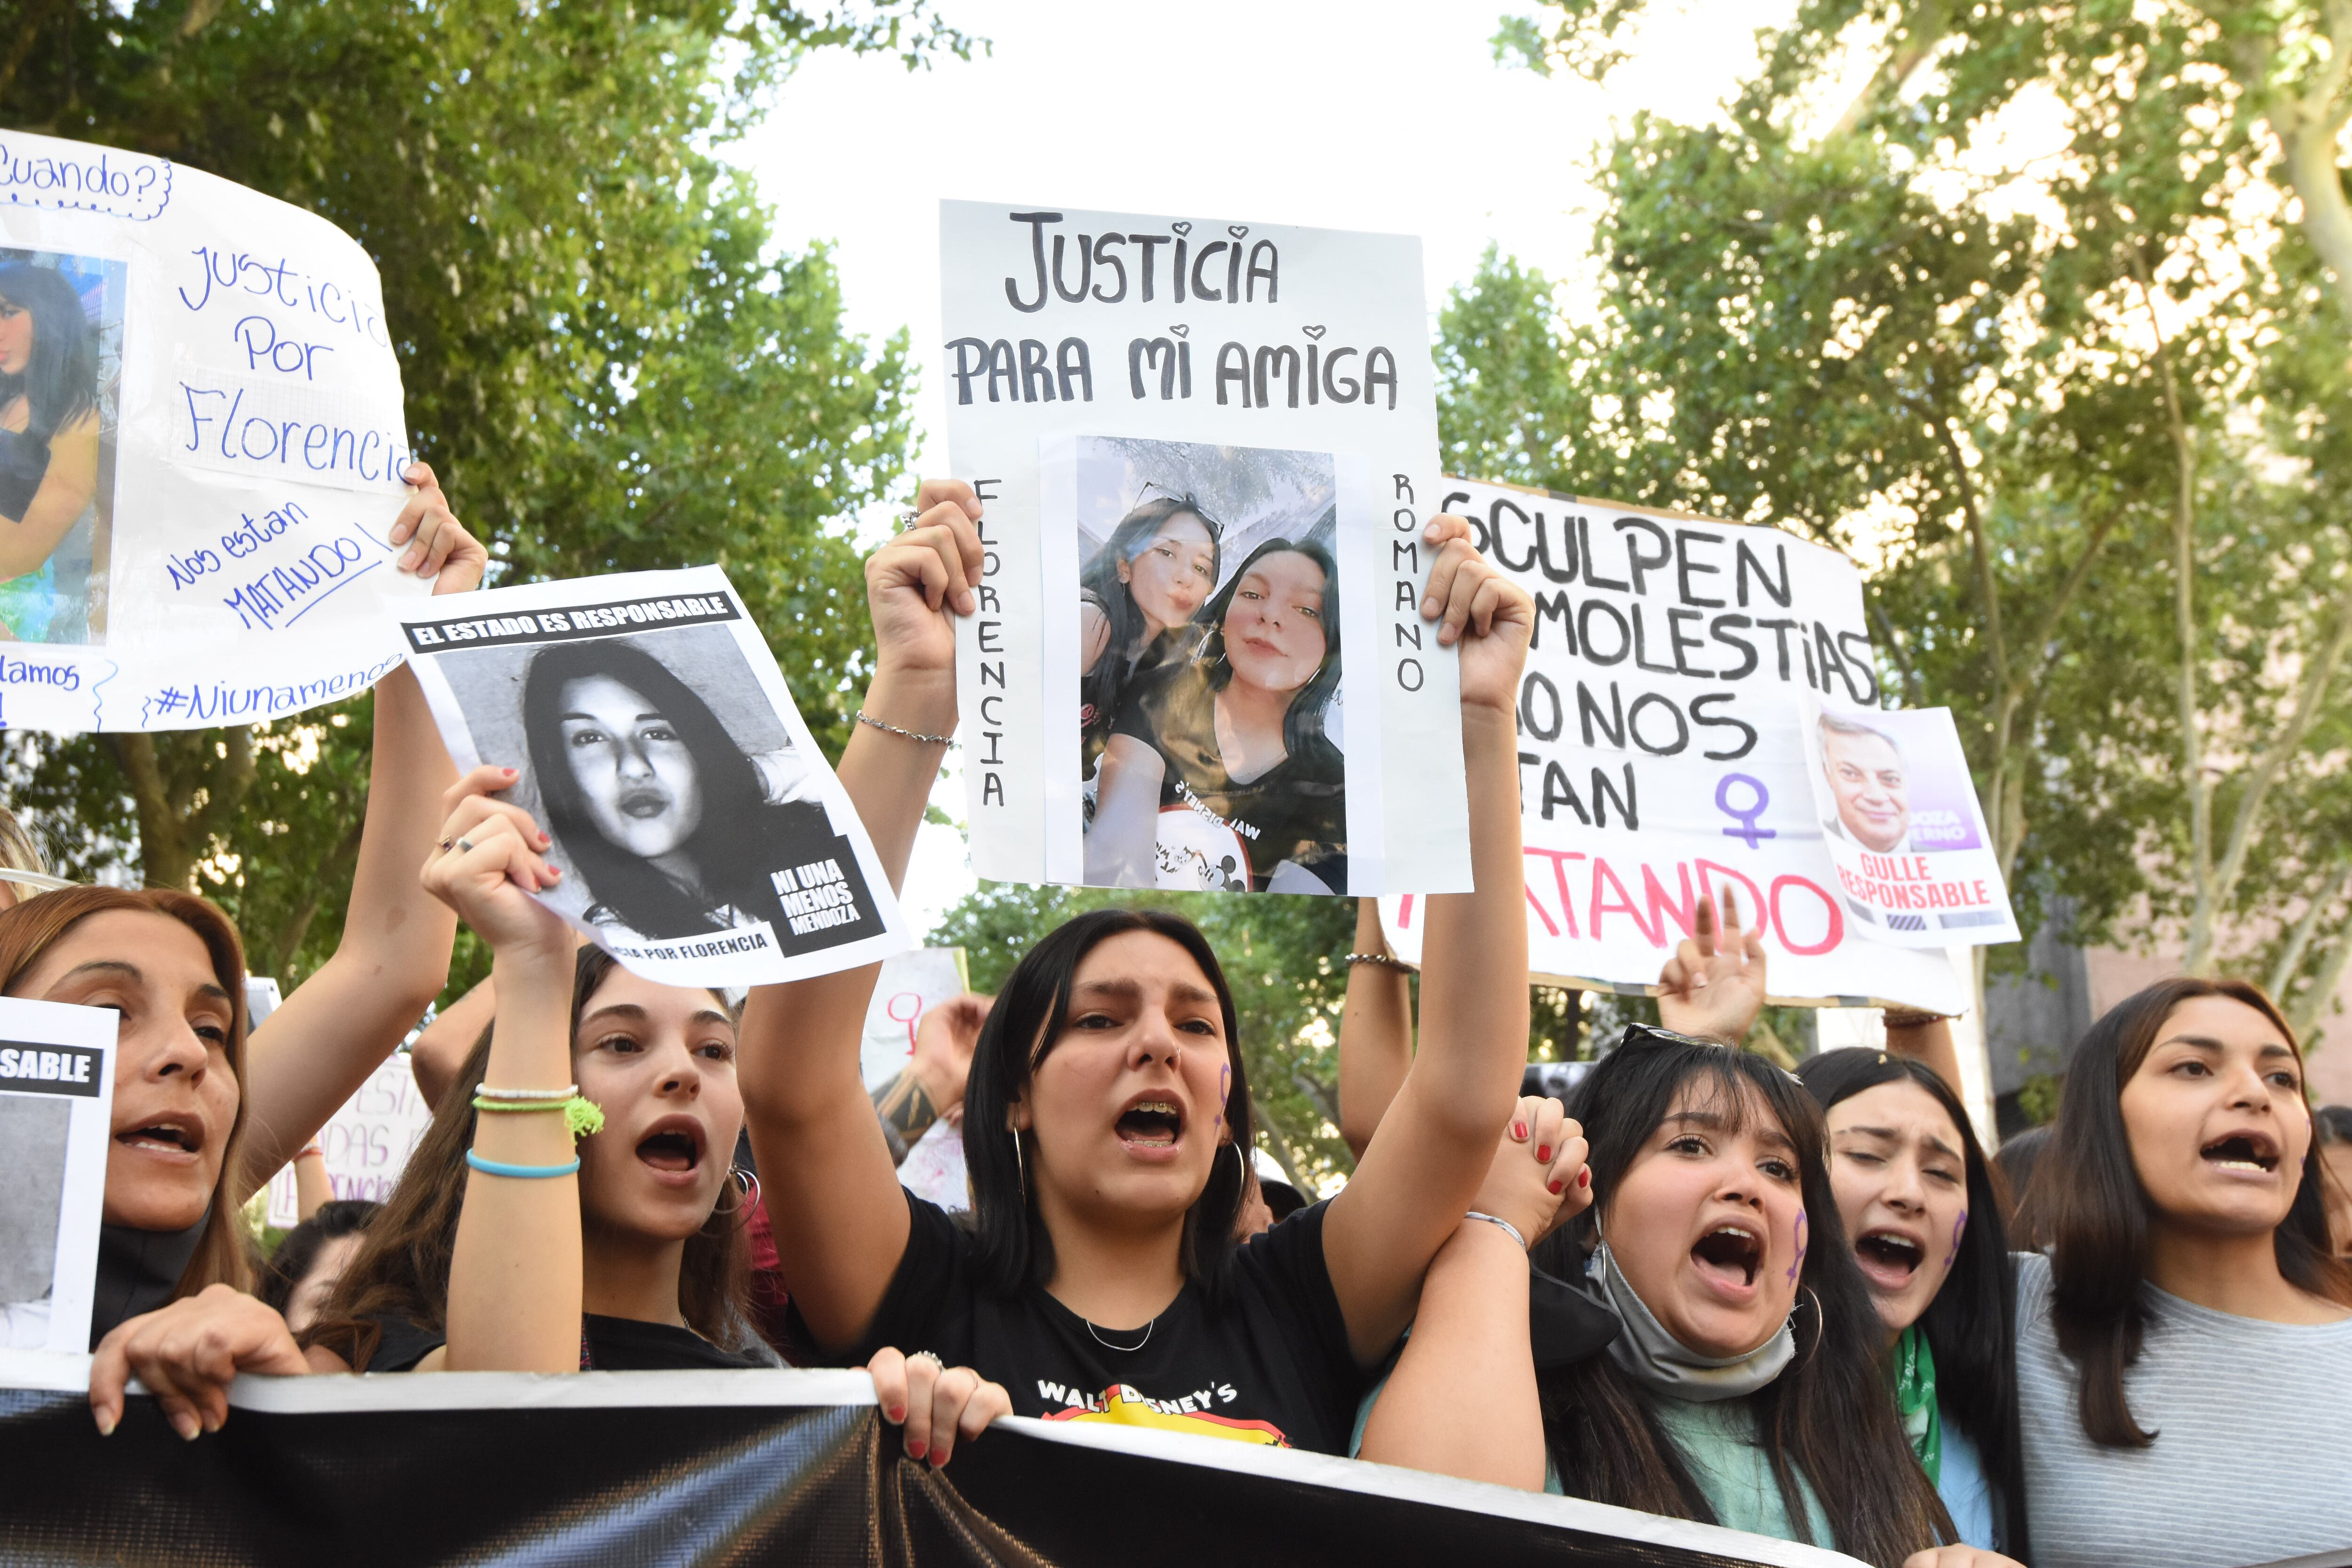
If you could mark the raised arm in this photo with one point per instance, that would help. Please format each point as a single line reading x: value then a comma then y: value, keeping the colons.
x: 515, y: 1283
x: 1126, y: 827
x: 1413, y: 1184
x: 832, y: 1190
x: 1375, y: 1033
x: 315, y: 1051
x: 1926, y: 1037
x: 1712, y: 988
x: 443, y: 1045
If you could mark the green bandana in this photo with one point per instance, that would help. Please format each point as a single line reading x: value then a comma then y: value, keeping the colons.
x: 1914, y: 1375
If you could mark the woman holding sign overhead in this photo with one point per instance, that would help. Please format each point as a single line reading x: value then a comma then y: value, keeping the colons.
x: 1219, y: 774
x: 48, y: 438
x: 1107, y: 1122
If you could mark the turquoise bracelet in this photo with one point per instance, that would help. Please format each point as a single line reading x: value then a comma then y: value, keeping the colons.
x: 500, y: 1168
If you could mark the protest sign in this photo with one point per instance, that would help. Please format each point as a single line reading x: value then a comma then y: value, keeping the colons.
x: 911, y: 983
x: 703, y: 838
x: 56, y: 1105
x: 633, y: 1467
x: 208, y: 460
x: 366, y: 1143
x: 1661, y: 753
x: 1900, y: 818
x: 1207, y: 450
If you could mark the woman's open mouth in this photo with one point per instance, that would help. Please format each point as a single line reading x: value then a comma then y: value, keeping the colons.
x: 643, y: 803
x: 674, y: 1148
x: 1151, y: 1124
x: 1888, y: 1258
x: 2245, y: 1152
x: 1729, y: 1255
x: 170, y: 1136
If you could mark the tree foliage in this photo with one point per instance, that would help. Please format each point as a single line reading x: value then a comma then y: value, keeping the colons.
x: 603, y: 358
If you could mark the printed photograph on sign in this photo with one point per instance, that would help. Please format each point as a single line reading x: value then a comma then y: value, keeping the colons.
x: 56, y: 1103
x: 1209, y: 715
x: 1900, y: 815
x: 692, y: 817
x: 60, y: 380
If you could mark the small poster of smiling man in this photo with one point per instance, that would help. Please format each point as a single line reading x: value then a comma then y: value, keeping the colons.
x: 703, y: 839
x: 1900, y: 818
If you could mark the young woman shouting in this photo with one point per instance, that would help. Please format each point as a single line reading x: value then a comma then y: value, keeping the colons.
x: 1106, y: 1129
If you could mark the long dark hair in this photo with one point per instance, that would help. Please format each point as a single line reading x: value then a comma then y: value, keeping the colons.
x: 639, y: 892
x: 1100, y: 687
x: 60, y: 385
x: 2087, y: 1204
x: 1013, y: 1249
x: 1302, y: 727
x: 1827, y: 1418
x: 1971, y: 1325
x: 402, y: 1269
x: 287, y: 1268
x: 222, y: 1256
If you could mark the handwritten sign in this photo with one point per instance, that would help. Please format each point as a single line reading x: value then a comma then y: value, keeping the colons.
x: 1661, y: 751
x: 1207, y: 450
x: 202, y: 454
x: 911, y: 983
x: 366, y: 1143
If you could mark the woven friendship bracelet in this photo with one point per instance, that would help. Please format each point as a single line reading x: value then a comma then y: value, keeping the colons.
x: 557, y: 1094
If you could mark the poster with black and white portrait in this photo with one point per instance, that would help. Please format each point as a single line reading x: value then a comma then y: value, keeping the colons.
x: 1204, y: 586
x: 57, y: 1096
x: 703, y: 839
x: 1178, y: 425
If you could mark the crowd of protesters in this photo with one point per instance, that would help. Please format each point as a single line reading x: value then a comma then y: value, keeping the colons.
x: 1805, y: 1305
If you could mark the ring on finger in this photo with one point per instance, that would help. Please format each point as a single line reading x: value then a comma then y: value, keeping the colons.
x: 929, y: 1356
x: 465, y: 844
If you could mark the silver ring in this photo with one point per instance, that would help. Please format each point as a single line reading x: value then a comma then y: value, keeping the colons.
x: 929, y: 1356
x: 464, y: 844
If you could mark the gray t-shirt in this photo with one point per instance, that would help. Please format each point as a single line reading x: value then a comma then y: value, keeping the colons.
x: 2252, y: 1459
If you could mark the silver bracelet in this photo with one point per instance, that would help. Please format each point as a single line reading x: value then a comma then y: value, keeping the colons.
x: 1382, y: 959
x: 866, y: 717
x: 1499, y: 1219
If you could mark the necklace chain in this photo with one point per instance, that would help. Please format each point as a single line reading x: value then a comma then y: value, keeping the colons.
x: 1128, y: 1350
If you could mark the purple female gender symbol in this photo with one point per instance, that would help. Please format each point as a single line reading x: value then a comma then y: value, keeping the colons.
x: 1958, y: 1226
x: 1746, y: 817
x: 1799, y: 1263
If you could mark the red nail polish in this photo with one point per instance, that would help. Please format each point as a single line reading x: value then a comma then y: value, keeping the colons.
x: 1543, y: 1153
x: 1584, y: 1178
x: 897, y: 1413
x: 1519, y: 1129
x: 917, y: 1450
x: 1558, y: 1186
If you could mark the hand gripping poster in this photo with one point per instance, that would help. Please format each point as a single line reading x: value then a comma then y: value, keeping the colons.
x: 1206, y: 450
x: 57, y: 1102
x: 703, y: 839
x: 201, y: 449
x: 1900, y: 815
x: 1662, y: 757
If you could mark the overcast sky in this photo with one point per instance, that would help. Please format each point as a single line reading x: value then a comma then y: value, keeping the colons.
x: 1392, y: 117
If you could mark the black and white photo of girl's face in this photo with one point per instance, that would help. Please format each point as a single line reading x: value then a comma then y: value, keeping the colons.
x: 1274, y: 626
x: 636, y: 778
x: 1176, y: 572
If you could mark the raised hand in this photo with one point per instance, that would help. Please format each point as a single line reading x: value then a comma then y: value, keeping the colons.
x: 1537, y: 1180
x: 921, y: 580
x: 1480, y: 608
x: 438, y: 545
x: 489, y: 863
x: 934, y: 1404
x: 944, y: 1042
x: 1712, y: 986
x: 186, y: 1354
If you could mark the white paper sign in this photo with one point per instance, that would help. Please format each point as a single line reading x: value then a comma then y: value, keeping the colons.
x: 1900, y: 818
x: 704, y: 840
x: 1661, y: 753
x: 1154, y: 408
x: 935, y: 1169
x: 57, y: 1102
x: 367, y: 1142
x: 910, y: 984
x: 202, y: 450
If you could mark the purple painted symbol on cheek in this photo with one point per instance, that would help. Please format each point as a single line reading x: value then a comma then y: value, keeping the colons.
x: 1959, y: 1225
x: 1801, y: 1232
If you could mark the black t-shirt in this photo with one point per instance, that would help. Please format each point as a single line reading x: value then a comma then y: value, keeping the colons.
x: 1272, y: 1367
x: 607, y: 1344
x: 1296, y: 810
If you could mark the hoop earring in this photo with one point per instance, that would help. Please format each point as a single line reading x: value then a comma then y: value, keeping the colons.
x: 1019, y: 1171
x: 1820, y: 1324
x: 1242, y: 1161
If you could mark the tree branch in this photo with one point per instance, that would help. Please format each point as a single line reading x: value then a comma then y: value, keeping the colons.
x: 2298, y: 942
